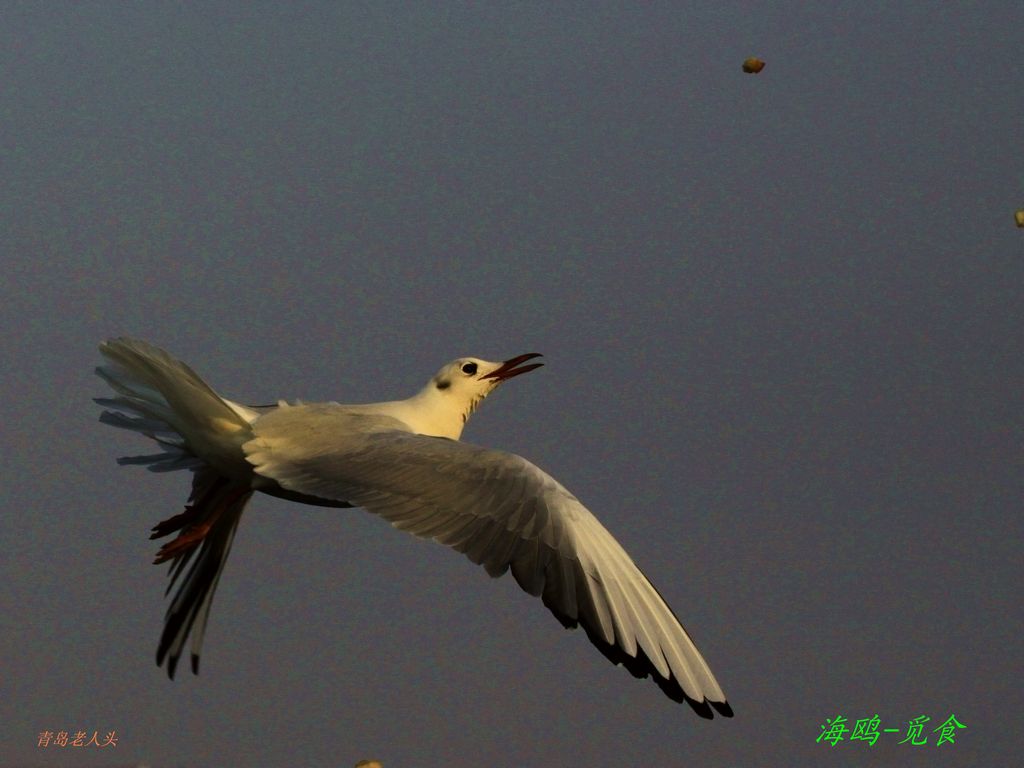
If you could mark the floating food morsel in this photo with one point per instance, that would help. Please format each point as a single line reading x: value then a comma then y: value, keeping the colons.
x: 753, y: 66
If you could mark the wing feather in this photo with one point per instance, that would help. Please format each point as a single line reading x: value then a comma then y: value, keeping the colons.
x: 503, y: 513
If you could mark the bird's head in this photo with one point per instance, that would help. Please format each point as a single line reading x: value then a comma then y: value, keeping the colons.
x: 463, y: 383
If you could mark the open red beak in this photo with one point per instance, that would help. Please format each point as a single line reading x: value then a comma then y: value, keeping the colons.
x: 508, y: 368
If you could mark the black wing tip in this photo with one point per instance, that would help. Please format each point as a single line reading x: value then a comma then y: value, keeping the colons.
x: 723, y: 708
x: 640, y: 666
x: 172, y: 662
x: 701, y: 708
x: 704, y: 708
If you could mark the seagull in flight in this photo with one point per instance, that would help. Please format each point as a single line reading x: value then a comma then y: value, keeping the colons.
x: 402, y: 460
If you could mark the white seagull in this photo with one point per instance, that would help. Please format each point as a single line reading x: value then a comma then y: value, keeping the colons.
x: 401, y: 460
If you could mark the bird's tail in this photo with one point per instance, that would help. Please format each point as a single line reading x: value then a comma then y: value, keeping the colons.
x: 165, y: 400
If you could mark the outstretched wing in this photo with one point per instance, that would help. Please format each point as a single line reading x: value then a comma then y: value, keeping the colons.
x: 205, y: 531
x: 503, y: 513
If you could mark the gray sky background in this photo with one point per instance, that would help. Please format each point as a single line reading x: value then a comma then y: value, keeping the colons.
x: 782, y: 323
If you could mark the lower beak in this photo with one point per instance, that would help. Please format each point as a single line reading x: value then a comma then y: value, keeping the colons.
x: 508, y: 369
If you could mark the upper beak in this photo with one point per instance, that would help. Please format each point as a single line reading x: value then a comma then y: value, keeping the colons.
x: 508, y: 369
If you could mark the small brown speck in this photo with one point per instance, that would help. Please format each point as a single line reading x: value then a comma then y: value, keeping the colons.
x: 753, y: 66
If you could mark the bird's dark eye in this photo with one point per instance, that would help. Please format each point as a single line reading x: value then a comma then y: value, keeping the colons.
x: 469, y: 368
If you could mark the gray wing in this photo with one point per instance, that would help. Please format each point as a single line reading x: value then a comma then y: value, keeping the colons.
x: 503, y: 513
